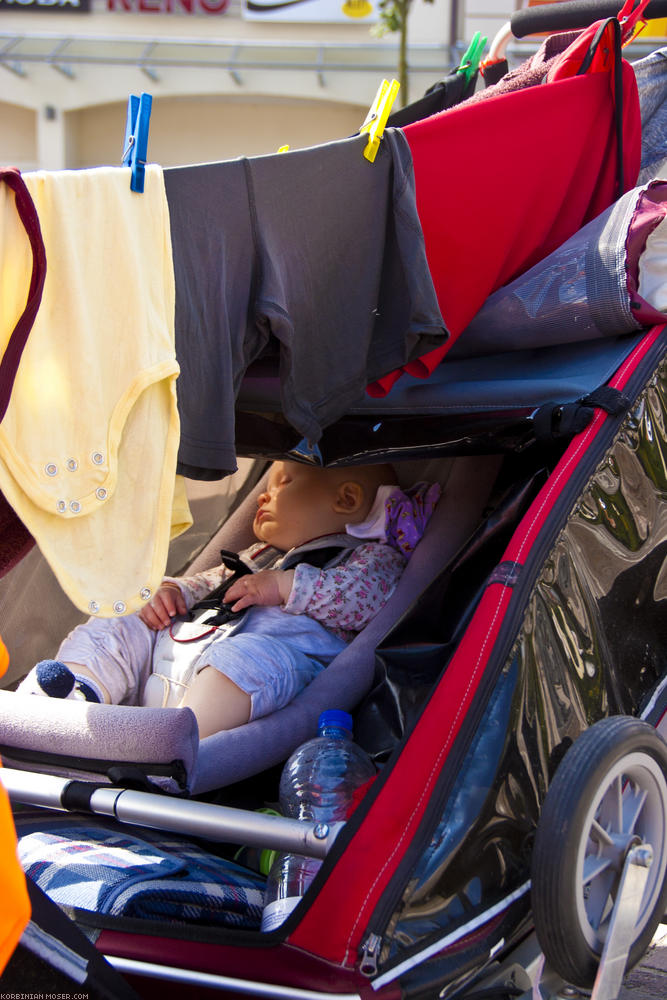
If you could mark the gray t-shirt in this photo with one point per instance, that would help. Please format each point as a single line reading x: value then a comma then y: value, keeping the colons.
x: 316, y: 255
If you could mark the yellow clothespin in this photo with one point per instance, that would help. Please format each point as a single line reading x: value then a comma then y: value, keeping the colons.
x: 283, y: 149
x: 376, y: 119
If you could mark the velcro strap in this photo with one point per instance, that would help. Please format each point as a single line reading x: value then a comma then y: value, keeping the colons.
x: 558, y: 422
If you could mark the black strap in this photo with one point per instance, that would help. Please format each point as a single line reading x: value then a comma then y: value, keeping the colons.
x: 558, y: 422
x: 223, y: 614
x: 618, y: 90
x: 612, y: 401
x: 215, y: 600
x: 319, y: 558
x: 77, y: 795
x: 494, y: 72
x: 118, y: 773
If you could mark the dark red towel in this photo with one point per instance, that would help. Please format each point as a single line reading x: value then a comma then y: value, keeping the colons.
x: 28, y: 215
x: 15, y: 540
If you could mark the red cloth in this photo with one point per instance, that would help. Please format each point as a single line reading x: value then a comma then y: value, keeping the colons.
x: 17, y: 341
x: 503, y: 182
x: 15, y: 539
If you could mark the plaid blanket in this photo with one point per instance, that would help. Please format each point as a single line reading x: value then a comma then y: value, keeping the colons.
x: 94, y: 865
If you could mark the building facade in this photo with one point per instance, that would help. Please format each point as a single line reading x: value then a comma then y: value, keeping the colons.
x: 227, y: 77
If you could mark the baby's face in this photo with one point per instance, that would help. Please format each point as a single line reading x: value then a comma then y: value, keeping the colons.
x: 297, y: 506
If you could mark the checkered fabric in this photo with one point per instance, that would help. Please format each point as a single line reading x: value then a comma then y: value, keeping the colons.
x: 92, y: 865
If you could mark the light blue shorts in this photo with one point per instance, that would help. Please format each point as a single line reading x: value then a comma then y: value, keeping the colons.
x: 269, y: 654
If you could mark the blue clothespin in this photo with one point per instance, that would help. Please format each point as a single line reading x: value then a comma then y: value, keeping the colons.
x: 304, y: 450
x: 135, y: 149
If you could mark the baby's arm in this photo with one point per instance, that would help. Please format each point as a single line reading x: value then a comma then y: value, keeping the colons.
x: 166, y: 603
x: 268, y: 587
x: 175, y: 596
x: 347, y: 596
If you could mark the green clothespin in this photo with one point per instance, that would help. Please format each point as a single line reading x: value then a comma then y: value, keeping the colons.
x: 472, y: 56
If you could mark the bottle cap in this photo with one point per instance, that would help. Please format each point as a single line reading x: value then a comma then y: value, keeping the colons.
x: 335, y: 717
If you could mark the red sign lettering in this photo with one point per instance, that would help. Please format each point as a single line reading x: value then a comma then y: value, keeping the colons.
x: 167, y: 6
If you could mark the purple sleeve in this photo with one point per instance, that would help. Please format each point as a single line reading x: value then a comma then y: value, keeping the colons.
x: 349, y: 595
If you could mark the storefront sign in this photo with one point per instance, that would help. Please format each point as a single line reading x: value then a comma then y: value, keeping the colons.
x: 168, y: 6
x: 310, y: 10
x: 123, y: 6
x: 66, y: 6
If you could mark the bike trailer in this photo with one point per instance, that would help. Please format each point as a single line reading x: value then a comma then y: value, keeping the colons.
x: 511, y: 693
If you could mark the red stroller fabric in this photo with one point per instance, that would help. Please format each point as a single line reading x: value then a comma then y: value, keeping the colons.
x: 502, y: 182
x: 346, y: 902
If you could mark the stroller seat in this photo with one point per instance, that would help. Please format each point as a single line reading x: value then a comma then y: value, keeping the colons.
x: 90, y: 863
x: 135, y: 745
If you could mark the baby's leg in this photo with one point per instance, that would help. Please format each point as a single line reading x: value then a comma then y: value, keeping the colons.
x: 245, y: 676
x: 114, y: 653
x: 218, y: 703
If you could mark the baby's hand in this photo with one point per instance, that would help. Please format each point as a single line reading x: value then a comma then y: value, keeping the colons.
x: 268, y: 587
x: 167, y: 602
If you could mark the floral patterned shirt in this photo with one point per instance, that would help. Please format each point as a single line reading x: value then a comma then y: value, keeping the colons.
x: 344, y: 598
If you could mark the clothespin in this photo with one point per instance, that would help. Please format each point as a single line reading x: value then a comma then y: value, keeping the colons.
x: 376, y: 119
x: 283, y: 149
x: 136, y: 138
x: 471, y: 57
x: 632, y: 20
x: 311, y: 453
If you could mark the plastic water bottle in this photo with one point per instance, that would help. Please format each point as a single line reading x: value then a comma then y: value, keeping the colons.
x: 318, y: 784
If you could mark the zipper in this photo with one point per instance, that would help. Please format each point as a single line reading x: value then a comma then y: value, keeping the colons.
x: 373, y: 941
x: 370, y: 952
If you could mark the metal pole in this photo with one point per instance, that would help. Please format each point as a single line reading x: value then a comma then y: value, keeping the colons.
x: 217, y: 823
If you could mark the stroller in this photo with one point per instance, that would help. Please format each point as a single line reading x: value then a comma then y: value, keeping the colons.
x: 512, y: 692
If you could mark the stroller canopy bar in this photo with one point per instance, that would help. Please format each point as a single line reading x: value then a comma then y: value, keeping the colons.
x: 572, y: 15
x: 467, y: 406
x: 514, y: 380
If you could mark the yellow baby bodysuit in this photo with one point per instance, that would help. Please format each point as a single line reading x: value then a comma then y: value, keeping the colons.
x: 88, y: 443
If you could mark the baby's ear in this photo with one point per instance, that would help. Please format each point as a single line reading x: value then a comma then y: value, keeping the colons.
x: 349, y: 497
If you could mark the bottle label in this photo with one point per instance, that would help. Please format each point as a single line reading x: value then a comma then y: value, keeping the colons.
x: 275, y: 913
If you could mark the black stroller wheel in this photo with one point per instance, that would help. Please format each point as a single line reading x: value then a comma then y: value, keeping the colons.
x: 609, y: 793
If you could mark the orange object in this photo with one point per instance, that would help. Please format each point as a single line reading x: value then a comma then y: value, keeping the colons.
x: 15, y: 907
